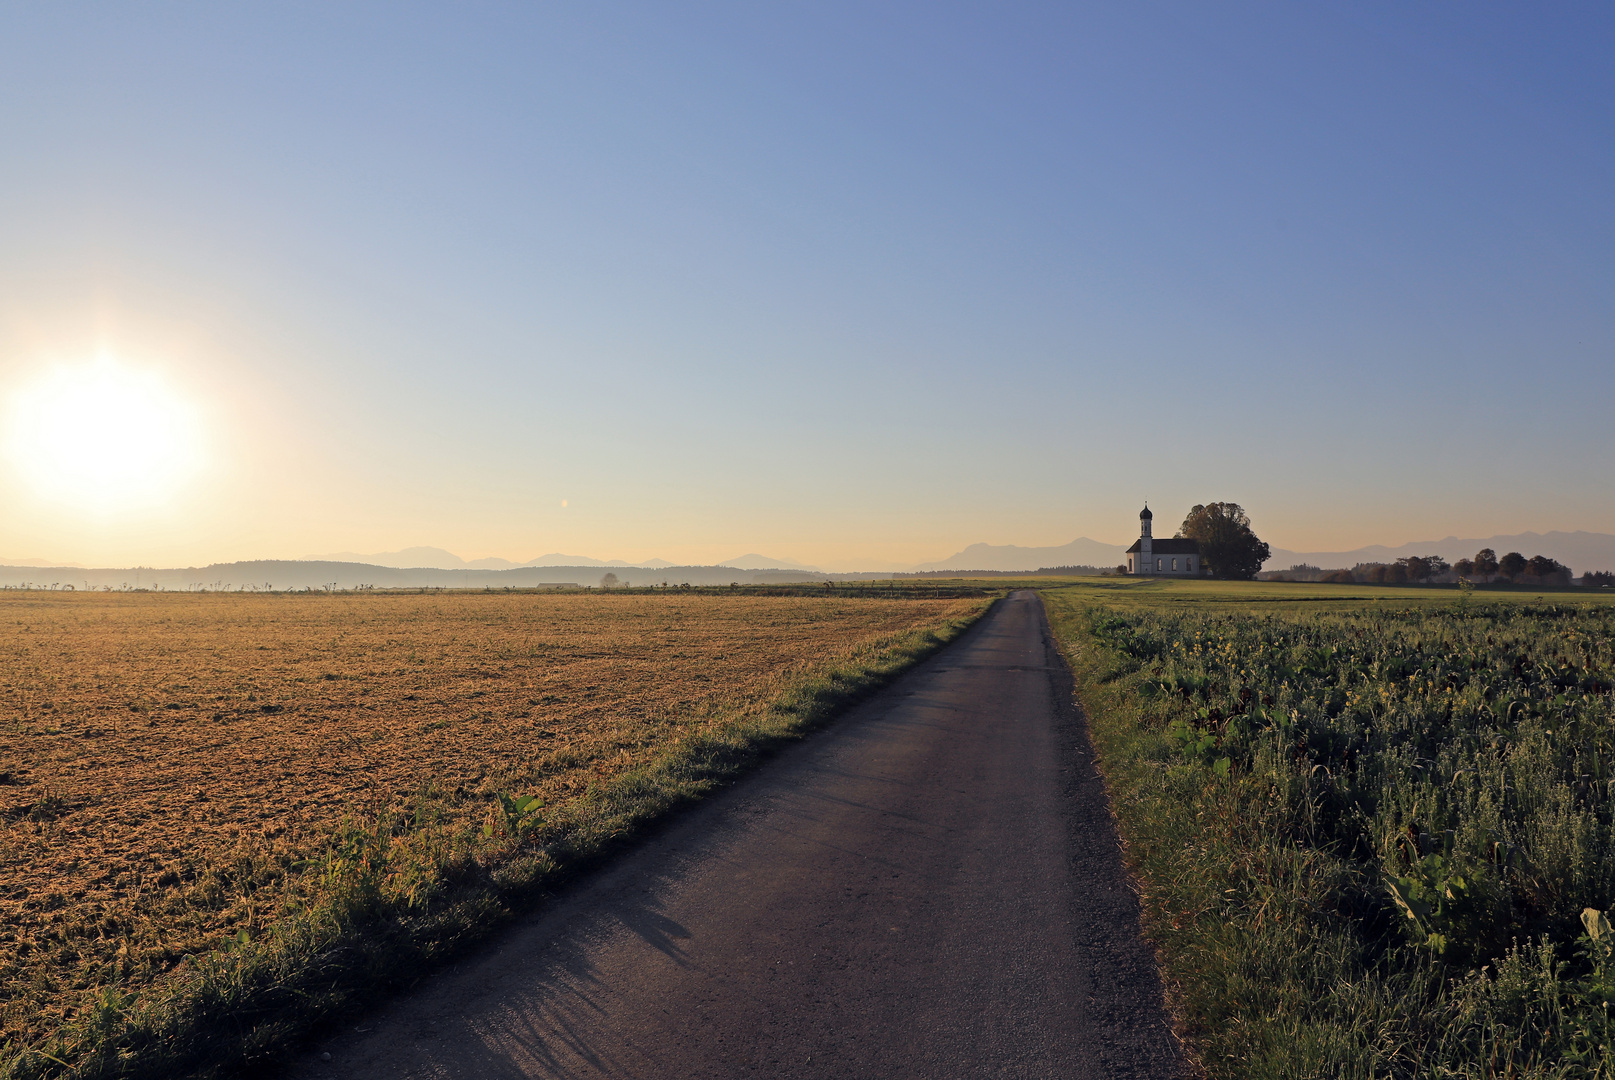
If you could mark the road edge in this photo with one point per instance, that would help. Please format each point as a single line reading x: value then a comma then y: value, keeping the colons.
x: 1093, y: 828
x: 250, y: 1010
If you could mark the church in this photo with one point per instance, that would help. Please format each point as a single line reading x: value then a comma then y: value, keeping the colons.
x: 1168, y: 558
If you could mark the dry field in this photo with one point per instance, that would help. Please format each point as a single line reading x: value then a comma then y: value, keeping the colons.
x: 151, y: 745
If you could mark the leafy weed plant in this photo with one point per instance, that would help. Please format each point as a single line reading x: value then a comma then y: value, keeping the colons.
x: 519, y: 816
x: 1373, y: 842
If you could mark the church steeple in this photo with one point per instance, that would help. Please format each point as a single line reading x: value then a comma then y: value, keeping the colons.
x: 1176, y: 556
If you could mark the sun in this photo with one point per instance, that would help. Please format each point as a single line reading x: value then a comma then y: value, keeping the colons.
x: 103, y: 437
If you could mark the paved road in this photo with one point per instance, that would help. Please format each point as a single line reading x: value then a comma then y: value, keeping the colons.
x: 931, y: 888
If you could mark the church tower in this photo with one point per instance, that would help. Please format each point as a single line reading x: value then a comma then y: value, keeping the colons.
x: 1175, y: 555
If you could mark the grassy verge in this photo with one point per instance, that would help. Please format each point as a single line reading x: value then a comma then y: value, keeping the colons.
x: 397, y: 892
x: 1373, y: 832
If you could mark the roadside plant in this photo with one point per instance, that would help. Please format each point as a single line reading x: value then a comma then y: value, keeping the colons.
x: 1598, y: 946
x: 519, y: 816
x: 1372, y: 842
x: 353, y: 869
x: 1443, y: 905
x: 1199, y: 743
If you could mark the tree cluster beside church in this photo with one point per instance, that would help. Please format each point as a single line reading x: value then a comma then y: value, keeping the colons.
x: 1215, y: 540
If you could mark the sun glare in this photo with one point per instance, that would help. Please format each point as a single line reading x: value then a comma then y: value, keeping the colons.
x: 103, y: 437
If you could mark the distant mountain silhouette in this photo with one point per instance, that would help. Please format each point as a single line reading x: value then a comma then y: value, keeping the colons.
x: 1581, y: 551
x: 755, y: 561
x: 1079, y: 552
x: 438, y: 559
x: 432, y: 557
x: 411, y: 567
x: 281, y: 575
x: 579, y: 560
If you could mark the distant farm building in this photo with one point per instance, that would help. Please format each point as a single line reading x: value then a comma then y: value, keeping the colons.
x: 1166, y: 558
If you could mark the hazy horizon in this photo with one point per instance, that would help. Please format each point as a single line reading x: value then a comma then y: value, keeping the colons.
x: 845, y: 285
x: 1583, y: 551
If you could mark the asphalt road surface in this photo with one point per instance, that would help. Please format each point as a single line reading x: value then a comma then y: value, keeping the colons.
x: 932, y: 887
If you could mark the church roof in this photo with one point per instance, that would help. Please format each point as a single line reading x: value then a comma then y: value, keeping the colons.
x: 1168, y: 547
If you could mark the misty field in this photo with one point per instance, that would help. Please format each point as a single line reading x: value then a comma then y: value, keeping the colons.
x: 203, y: 795
x: 1374, y: 830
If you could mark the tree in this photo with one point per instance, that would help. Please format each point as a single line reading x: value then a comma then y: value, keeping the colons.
x: 1511, y: 565
x: 1543, y: 567
x: 1465, y: 567
x: 1228, y: 547
x: 1485, y: 561
x: 609, y: 581
x: 1423, y: 568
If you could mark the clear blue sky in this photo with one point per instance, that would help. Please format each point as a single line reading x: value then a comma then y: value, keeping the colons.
x: 849, y: 284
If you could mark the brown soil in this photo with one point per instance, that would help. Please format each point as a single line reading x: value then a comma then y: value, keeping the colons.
x: 156, y: 747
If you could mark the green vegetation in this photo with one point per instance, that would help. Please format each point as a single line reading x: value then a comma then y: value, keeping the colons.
x: 1374, y: 828
x: 1230, y: 549
x: 1484, y: 568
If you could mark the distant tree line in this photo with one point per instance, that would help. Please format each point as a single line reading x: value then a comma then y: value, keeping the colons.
x: 1414, y: 568
x: 1485, y: 566
x: 1513, y: 567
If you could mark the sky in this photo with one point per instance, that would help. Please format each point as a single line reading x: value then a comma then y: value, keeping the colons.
x: 853, y: 285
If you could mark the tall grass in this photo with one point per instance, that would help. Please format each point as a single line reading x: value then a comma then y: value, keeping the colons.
x: 395, y: 893
x: 1372, y: 843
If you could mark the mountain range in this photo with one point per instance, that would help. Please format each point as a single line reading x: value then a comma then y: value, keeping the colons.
x: 428, y: 567
x: 281, y: 575
x: 1079, y: 552
x: 437, y: 558
x: 1581, y: 551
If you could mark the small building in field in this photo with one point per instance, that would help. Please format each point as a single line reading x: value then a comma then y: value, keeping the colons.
x: 1164, y: 558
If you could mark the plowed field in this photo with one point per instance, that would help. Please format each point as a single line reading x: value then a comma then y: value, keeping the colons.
x: 151, y: 742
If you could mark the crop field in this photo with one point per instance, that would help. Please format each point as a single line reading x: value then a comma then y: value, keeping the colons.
x: 200, y: 792
x: 1374, y: 828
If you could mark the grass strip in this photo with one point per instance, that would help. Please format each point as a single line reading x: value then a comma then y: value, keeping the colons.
x: 1366, y: 840
x: 398, y: 894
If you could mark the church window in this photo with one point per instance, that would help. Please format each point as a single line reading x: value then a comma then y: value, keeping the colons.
x: 1174, y: 564
x: 1157, y: 564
